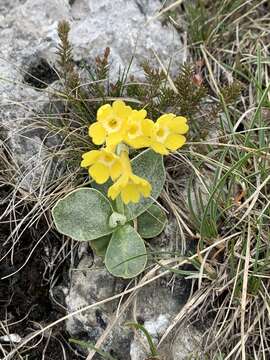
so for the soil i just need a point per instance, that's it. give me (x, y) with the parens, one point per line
(25, 302)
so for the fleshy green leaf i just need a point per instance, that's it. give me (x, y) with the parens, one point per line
(100, 245)
(148, 165)
(126, 254)
(152, 222)
(83, 215)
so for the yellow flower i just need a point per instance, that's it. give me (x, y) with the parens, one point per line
(102, 164)
(129, 186)
(111, 123)
(138, 129)
(168, 133)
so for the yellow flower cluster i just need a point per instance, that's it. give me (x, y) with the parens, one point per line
(120, 124)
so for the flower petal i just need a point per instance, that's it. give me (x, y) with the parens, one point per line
(116, 170)
(146, 189)
(130, 194)
(110, 148)
(141, 184)
(114, 138)
(139, 142)
(113, 191)
(179, 125)
(118, 105)
(89, 158)
(137, 115)
(99, 172)
(136, 179)
(125, 196)
(97, 133)
(104, 113)
(147, 127)
(159, 148)
(121, 110)
(175, 141)
(164, 119)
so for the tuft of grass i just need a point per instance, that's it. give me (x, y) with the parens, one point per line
(65, 127)
(213, 23)
(224, 213)
(228, 191)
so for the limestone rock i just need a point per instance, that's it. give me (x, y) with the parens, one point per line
(28, 31)
(187, 344)
(90, 283)
(155, 306)
(126, 27)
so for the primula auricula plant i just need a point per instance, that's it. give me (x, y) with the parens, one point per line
(124, 191)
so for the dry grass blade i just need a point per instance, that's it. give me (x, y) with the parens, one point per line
(244, 292)
(149, 278)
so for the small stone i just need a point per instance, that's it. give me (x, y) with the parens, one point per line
(11, 338)
(188, 344)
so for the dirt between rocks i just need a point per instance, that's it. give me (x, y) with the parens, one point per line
(25, 301)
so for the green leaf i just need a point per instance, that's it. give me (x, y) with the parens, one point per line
(126, 254)
(148, 165)
(152, 222)
(153, 348)
(99, 246)
(83, 215)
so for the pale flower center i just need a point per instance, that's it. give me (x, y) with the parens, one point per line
(162, 134)
(134, 131)
(112, 125)
(107, 160)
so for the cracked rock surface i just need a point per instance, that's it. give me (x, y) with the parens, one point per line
(28, 31)
(155, 306)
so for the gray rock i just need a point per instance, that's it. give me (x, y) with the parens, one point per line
(155, 306)
(188, 344)
(124, 26)
(28, 31)
(90, 282)
(28, 38)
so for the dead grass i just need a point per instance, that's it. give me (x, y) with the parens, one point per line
(228, 195)
(224, 204)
